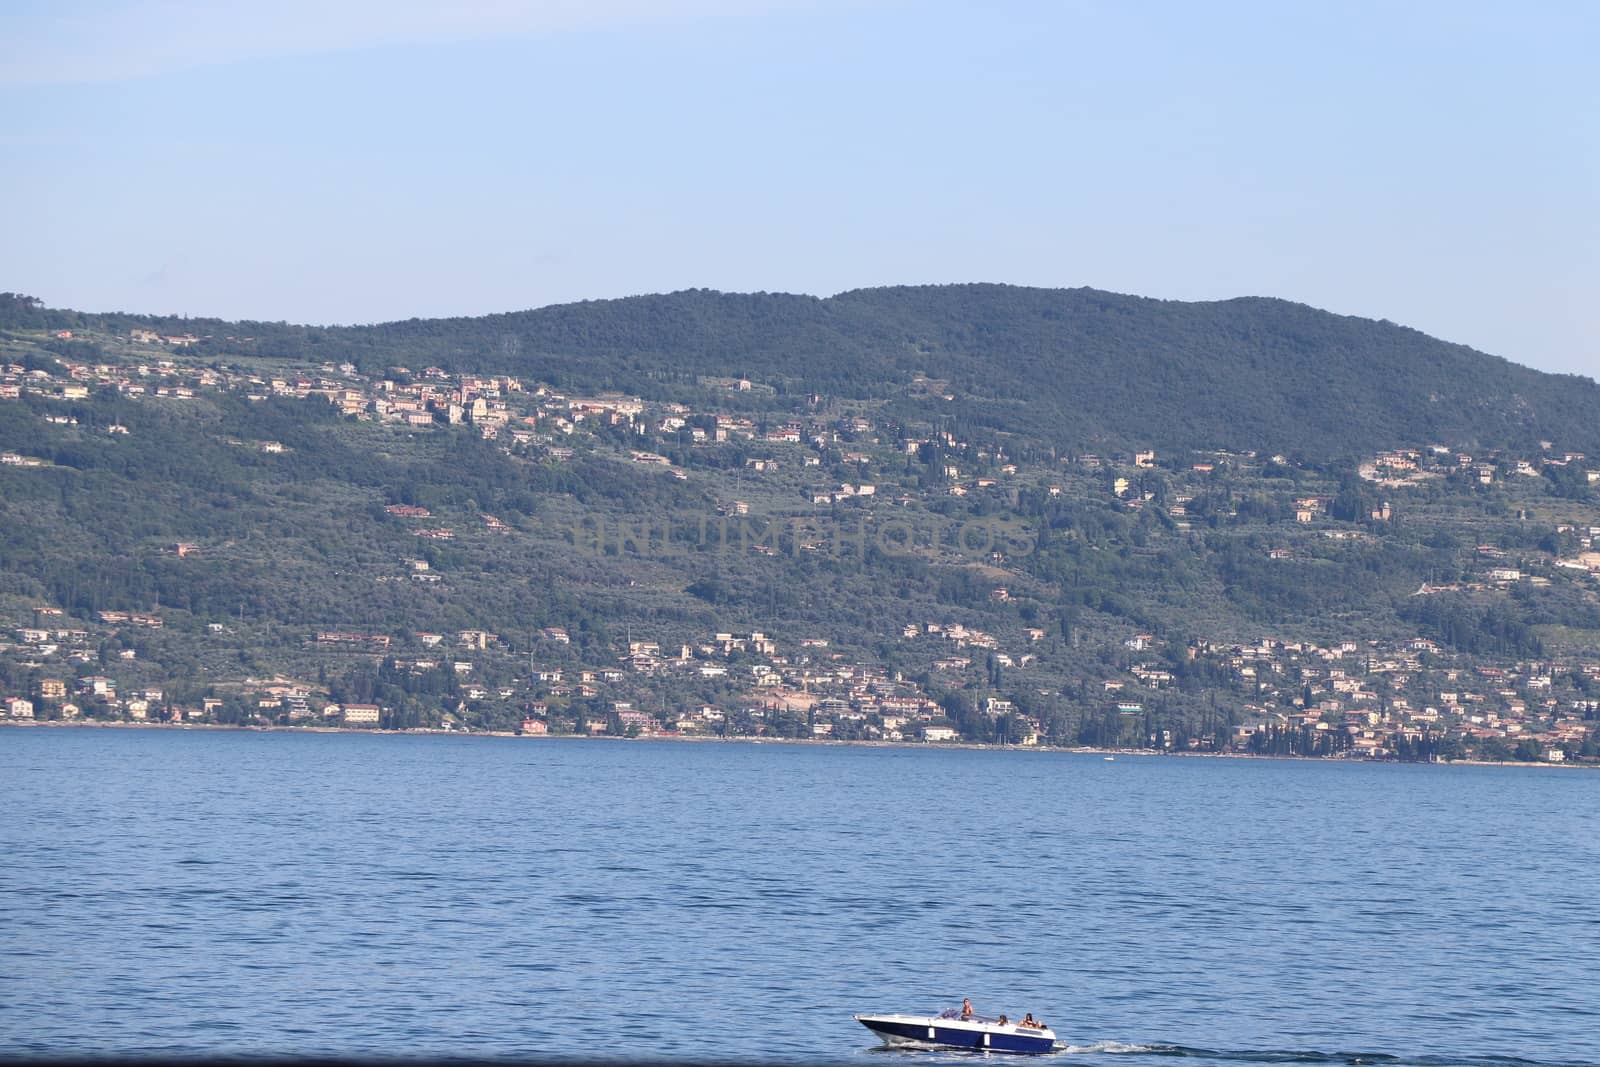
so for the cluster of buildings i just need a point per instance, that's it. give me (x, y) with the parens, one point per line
(497, 406)
(1401, 468)
(820, 693)
(1374, 696)
(1366, 698)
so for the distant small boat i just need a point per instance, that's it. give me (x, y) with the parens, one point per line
(951, 1029)
(1110, 759)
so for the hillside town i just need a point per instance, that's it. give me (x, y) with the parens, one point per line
(1353, 700)
(1407, 697)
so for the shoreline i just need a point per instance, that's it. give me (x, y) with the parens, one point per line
(1083, 750)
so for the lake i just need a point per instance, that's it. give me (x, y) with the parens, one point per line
(200, 892)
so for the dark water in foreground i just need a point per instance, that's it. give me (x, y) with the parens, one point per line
(202, 892)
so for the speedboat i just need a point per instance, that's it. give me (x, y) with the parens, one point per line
(951, 1029)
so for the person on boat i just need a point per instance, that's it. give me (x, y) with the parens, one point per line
(1027, 1020)
(1003, 1019)
(966, 1008)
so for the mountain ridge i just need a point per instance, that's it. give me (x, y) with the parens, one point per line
(1083, 367)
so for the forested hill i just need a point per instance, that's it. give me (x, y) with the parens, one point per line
(1081, 368)
(875, 515)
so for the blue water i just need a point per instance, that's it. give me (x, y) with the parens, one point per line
(207, 891)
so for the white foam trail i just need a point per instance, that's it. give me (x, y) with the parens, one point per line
(1105, 1046)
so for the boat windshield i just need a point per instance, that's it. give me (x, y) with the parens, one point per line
(955, 1013)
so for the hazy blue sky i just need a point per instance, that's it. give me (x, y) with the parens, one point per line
(1437, 164)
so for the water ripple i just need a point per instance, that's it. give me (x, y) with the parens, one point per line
(209, 893)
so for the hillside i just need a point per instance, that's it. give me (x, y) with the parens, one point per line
(1080, 369)
(1002, 514)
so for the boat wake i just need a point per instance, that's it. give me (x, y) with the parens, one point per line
(1354, 1059)
(1107, 1046)
(1247, 1056)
